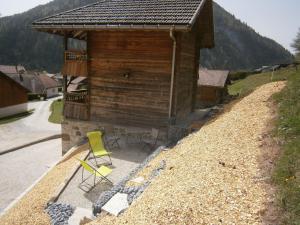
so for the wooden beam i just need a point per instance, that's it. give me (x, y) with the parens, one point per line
(78, 33)
(83, 36)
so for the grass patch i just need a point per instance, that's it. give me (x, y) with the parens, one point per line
(56, 112)
(287, 171)
(15, 117)
(246, 86)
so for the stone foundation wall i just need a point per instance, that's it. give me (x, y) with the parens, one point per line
(74, 132)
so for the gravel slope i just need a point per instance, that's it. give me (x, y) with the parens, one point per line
(214, 176)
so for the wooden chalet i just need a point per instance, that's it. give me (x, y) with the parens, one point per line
(141, 61)
(13, 96)
(212, 87)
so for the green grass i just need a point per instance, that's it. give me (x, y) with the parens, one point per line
(56, 112)
(15, 117)
(250, 83)
(287, 172)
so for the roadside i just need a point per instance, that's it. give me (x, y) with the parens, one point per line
(30, 129)
(56, 111)
(10, 119)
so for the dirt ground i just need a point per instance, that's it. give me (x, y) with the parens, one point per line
(219, 175)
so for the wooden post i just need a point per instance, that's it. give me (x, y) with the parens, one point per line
(65, 78)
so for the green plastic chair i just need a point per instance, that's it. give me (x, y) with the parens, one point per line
(101, 172)
(97, 146)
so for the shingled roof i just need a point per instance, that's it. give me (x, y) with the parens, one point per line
(213, 78)
(145, 14)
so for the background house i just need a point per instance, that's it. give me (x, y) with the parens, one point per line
(212, 87)
(48, 86)
(36, 82)
(141, 63)
(13, 96)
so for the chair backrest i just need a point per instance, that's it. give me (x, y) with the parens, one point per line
(95, 139)
(154, 133)
(86, 166)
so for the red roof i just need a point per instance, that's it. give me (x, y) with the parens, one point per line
(48, 82)
(11, 69)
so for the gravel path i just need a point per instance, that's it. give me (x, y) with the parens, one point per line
(214, 176)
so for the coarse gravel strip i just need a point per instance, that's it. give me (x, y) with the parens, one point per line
(31, 208)
(213, 176)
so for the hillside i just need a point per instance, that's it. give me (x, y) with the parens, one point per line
(237, 45)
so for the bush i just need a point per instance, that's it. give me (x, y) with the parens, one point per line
(238, 75)
(33, 96)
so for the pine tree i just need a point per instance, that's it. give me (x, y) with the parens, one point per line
(296, 45)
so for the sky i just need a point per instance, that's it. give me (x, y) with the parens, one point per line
(276, 19)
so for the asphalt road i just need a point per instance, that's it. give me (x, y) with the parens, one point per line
(28, 129)
(20, 169)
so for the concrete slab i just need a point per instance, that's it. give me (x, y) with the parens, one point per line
(138, 180)
(81, 216)
(124, 161)
(116, 204)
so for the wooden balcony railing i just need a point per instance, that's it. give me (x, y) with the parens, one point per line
(79, 97)
(75, 63)
(77, 106)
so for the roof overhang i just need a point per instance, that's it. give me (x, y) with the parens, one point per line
(68, 29)
(83, 28)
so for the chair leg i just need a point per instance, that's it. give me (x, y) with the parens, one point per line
(95, 160)
(110, 159)
(82, 175)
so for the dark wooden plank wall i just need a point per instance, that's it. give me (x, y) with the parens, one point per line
(205, 26)
(11, 93)
(188, 61)
(187, 58)
(141, 99)
(208, 94)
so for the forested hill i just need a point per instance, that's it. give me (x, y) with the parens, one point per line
(237, 45)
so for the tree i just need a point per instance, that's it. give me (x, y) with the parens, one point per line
(296, 45)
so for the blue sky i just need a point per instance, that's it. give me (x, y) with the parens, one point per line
(276, 19)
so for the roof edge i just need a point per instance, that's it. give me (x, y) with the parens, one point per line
(17, 83)
(199, 9)
(67, 11)
(87, 27)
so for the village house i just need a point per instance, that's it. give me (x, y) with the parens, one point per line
(13, 97)
(48, 86)
(212, 87)
(141, 64)
(38, 83)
